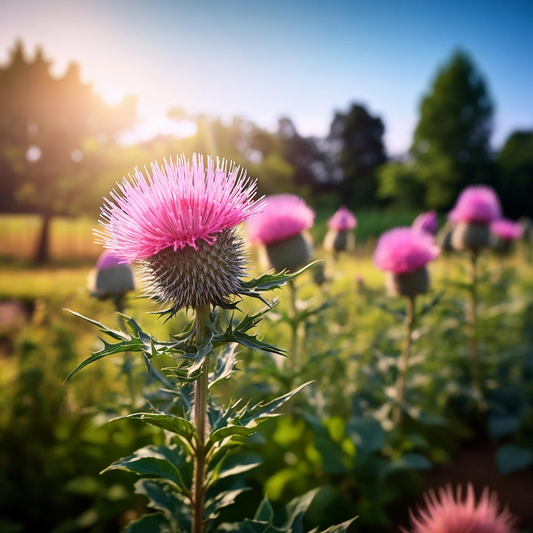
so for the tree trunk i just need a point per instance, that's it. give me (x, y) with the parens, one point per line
(42, 251)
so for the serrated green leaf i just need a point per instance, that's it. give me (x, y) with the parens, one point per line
(221, 500)
(170, 503)
(168, 422)
(296, 509)
(229, 431)
(154, 462)
(265, 512)
(150, 523)
(339, 528)
(262, 411)
(225, 364)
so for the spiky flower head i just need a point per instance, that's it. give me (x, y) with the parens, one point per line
(506, 230)
(450, 513)
(280, 228)
(284, 216)
(426, 222)
(111, 278)
(477, 204)
(403, 250)
(180, 222)
(342, 220)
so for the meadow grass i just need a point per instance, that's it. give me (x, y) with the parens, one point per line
(72, 239)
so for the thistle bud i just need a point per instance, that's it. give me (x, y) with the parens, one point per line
(280, 229)
(111, 278)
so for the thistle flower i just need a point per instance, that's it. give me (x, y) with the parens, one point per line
(449, 513)
(180, 222)
(339, 236)
(280, 229)
(426, 222)
(403, 253)
(111, 278)
(506, 230)
(477, 204)
(342, 220)
(475, 209)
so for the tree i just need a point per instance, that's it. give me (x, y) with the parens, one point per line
(515, 174)
(44, 124)
(451, 141)
(357, 138)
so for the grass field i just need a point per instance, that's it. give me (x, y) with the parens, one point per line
(72, 240)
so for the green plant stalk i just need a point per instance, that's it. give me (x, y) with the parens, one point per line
(472, 326)
(296, 324)
(200, 418)
(119, 306)
(403, 363)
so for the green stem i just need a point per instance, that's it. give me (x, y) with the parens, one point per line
(295, 327)
(472, 326)
(200, 422)
(128, 364)
(403, 364)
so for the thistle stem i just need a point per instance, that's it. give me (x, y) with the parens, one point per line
(472, 325)
(128, 365)
(403, 363)
(295, 325)
(200, 416)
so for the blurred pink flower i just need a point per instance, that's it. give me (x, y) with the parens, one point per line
(403, 250)
(506, 229)
(451, 514)
(342, 220)
(177, 206)
(284, 216)
(108, 260)
(426, 222)
(478, 204)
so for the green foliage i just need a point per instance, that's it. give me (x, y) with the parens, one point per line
(515, 173)
(360, 137)
(451, 142)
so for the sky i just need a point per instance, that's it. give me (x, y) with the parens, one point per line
(263, 59)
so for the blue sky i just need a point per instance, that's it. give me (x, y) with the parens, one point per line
(262, 59)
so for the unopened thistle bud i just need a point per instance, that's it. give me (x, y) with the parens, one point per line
(475, 209)
(280, 228)
(427, 222)
(180, 223)
(404, 253)
(111, 278)
(340, 237)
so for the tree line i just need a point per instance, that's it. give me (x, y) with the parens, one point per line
(60, 148)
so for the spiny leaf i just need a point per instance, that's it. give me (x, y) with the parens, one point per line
(159, 462)
(174, 424)
(262, 411)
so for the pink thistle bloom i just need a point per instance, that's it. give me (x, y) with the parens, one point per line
(426, 222)
(178, 205)
(506, 230)
(284, 216)
(403, 250)
(478, 204)
(342, 220)
(449, 513)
